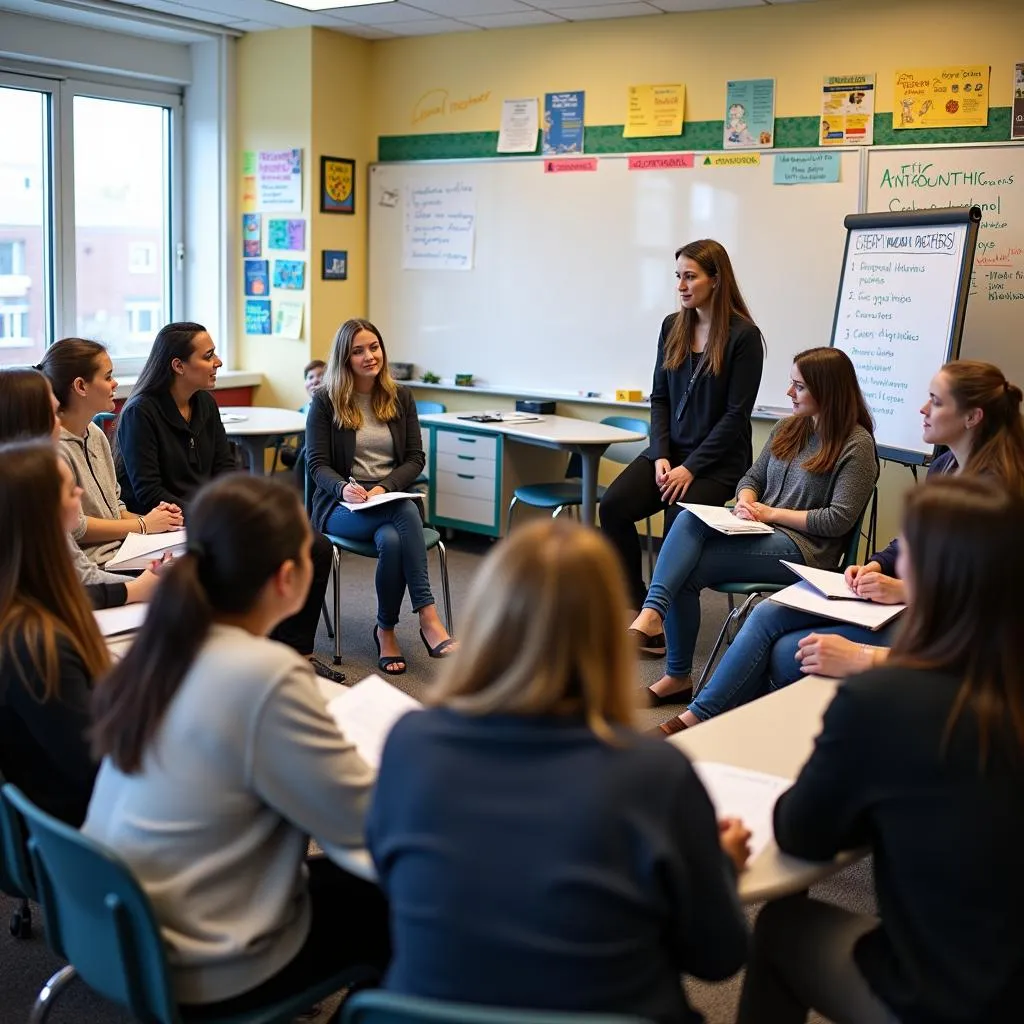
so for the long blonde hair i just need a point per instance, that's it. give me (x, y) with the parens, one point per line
(339, 382)
(544, 634)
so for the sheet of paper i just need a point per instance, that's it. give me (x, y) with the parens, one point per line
(745, 794)
(803, 597)
(520, 123)
(722, 519)
(366, 712)
(831, 584)
(126, 619)
(139, 549)
(232, 417)
(380, 499)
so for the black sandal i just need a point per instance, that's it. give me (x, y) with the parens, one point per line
(442, 650)
(648, 646)
(388, 662)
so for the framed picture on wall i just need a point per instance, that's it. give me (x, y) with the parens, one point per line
(337, 185)
(335, 265)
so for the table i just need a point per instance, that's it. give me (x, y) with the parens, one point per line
(774, 734)
(586, 438)
(258, 427)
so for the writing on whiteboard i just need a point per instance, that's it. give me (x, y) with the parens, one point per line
(440, 225)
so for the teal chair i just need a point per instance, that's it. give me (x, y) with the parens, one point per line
(376, 1006)
(752, 591)
(98, 918)
(367, 549)
(568, 493)
(15, 871)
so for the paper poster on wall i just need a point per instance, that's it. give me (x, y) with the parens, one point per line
(519, 126)
(249, 193)
(806, 168)
(257, 277)
(653, 111)
(563, 123)
(439, 226)
(251, 234)
(950, 97)
(290, 274)
(848, 110)
(1017, 118)
(286, 234)
(279, 180)
(288, 319)
(257, 316)
(249, 162)
(749, 114)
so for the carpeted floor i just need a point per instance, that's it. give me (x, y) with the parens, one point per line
(25, 965)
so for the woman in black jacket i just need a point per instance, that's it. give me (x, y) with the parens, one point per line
(706, 376)
(363, 440)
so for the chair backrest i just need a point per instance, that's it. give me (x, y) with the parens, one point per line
(429, 408)
(628, 450)
(375, 1006)
(97, 915)
(853, 541)
(15, 871)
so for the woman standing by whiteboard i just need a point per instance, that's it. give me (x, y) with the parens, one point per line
(706, 376)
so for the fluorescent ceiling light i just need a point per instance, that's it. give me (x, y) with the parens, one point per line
(330, 5)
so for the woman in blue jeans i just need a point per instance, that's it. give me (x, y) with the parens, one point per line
(362, 440)
(811, 481)
(975, 412)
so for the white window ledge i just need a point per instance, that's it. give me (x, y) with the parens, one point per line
(225, 379)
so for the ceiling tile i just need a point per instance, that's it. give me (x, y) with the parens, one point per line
(606, 11)
(382, 14)
(429, 26)
(513, 20)
(362, 31)
(674, 6)
(472, 8)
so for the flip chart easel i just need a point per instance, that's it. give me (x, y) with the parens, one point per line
(900, 313)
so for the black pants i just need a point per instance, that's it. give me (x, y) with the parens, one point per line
(299, 632)
(632, 496)
(349, 927)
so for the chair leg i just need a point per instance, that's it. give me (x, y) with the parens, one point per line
(446, 593)
(508, 519)
(734, 619)
(337, 605)
(650, 551)
(327, 621)
(49, 992)
(557, 512)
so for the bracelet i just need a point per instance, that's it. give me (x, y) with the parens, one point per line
(142, 525)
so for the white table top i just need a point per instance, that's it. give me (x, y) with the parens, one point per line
(774, 734)
(559, 430)
(261, 420)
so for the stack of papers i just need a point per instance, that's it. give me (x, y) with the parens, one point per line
(832, 585)
(722, 519)
(116, 621)
(140, 549)
(805, 598)
(380, 499)
(501, 417)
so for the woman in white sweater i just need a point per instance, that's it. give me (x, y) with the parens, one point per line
(220, 760)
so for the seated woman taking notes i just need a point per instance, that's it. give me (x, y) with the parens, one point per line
(50, 646)
(811, 482)
(170, 441)
(220, 760)
(706, 375)
(535, 851)
(922, 762)
(972, 410)
(362, 440)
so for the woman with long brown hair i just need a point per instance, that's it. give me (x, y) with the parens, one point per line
(706, 375)
(535, 851)
(811, 483)
(51, 650)
(921, 761)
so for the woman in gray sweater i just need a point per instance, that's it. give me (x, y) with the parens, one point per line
(811, 482)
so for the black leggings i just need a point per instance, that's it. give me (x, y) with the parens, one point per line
(632, 496)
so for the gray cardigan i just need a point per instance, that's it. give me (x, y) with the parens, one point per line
(92, 463)
(833, 501)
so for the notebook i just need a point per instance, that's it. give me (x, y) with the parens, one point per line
(831, 585)
(804, 598)
(140, 549)
(722, 520)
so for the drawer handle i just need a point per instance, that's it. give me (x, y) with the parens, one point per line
(465, 476)
(466, 458)
(467, 440)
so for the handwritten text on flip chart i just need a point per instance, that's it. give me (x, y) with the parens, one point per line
(440, 226)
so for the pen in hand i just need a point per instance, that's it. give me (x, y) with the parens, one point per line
(357, 489)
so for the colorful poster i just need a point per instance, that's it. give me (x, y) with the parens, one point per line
(257, 316)
(563, 123)
(950, 97)
(257, 277)
(286, 234)
(249, 193)
(806, 168)
(848, 110)
(279, 181)
(1017, 119)
(251, 234)
(653, 111)
(440, 226)
(749, 114)
(248, 162)
(290, 274)
(519, 126)
(288, 319)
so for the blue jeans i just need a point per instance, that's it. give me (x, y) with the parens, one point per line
(763, 655)
(397, 530)
(693, 556)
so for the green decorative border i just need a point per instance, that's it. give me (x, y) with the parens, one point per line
(790, 133)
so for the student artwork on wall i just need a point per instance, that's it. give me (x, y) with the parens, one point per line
(286, 234)
(257, 279)
(337, 185)
(288, 319)
(335, 265)
(563, 123)
(257, 316)
(251, 234)
(279, 180)
(290, 274)
(749, 114)
(949, 97)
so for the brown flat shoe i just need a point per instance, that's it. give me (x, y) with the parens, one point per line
(669, 728)
(648, 646)
(657, 700)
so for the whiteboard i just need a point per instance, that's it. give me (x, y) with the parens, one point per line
(989, 176)
(900, 312)
(573, 273)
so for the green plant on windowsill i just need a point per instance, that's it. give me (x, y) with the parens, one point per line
(430, 378)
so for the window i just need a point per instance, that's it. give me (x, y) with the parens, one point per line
(12, 257)
(144, 319)
(14, 328)
(142, 258)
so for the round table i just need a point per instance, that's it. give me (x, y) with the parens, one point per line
(258, 427)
